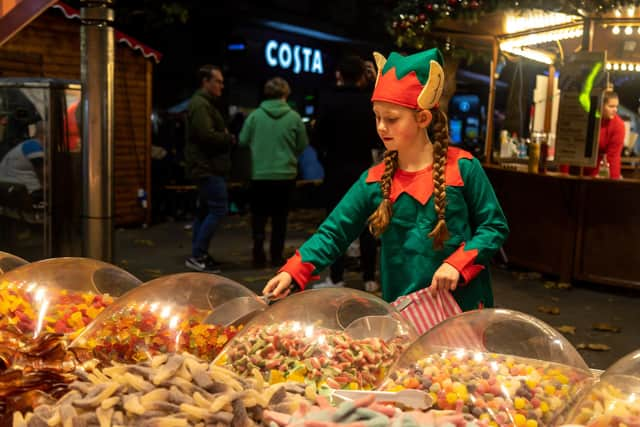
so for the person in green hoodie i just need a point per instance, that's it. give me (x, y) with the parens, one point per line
(276, 136)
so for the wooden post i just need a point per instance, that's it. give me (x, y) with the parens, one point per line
(549, 101)
(491, 104)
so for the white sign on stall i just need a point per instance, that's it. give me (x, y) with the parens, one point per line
(582, 84)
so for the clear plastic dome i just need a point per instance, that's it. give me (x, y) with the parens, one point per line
(180, 312)
(60, 295)
(615, 399)
(498, 365)
(8, 262)
(339, 337)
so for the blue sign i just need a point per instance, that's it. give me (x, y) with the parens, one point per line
(297, 58)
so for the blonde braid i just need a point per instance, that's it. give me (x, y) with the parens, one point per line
(440, 128)
(379, 220)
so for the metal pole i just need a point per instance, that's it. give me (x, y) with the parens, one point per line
(97, 71)
(491, 104)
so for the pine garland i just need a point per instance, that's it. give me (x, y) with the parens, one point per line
(412, 20)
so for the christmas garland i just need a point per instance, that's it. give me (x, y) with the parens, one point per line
(412, 20)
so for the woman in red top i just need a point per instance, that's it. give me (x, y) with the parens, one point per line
(612, 133)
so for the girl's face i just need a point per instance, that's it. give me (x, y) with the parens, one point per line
(400, 127)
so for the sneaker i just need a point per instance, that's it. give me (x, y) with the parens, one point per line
(328, 283)
(202, 264)
(371, 286)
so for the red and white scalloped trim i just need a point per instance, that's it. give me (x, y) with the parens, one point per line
(71, 13)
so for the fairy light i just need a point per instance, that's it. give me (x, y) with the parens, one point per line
(615, 30)
(534, 55)
(623, 66)
(628, 31)
(541, 38)
(535, 19)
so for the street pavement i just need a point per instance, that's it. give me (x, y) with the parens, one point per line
(597, 317)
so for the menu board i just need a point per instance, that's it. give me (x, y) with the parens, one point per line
(582, 82)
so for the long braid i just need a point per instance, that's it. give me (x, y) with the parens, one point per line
(440, 130)
(379, 220)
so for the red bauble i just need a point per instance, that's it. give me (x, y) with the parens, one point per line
(453, 2)
(428, 7)
(422, 17)
(474, 4)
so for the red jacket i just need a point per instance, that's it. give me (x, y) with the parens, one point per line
(612, 133)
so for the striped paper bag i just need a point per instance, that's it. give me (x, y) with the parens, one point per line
(424, 310)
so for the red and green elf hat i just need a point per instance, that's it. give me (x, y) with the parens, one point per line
(415, 81)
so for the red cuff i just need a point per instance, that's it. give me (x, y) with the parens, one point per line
(299, 270)
(463, 261)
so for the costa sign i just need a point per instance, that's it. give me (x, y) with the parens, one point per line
(296, 58)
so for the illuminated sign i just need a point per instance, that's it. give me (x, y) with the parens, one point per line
(297, 58)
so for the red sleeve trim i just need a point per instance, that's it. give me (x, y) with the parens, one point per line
(463, 261)
(300, 271)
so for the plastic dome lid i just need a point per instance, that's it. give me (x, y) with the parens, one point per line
(499, 365)
(60, 295)
(8, 262)
(170, 314)
(339, 337)
(615, 399)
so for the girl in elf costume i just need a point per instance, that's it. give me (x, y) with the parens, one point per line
(431, 205)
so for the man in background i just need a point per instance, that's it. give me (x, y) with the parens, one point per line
(208, 163)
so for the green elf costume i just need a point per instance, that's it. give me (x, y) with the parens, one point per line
(476, 224)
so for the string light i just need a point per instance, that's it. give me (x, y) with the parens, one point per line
(542, 37)
(516, 23)
(628, 31)
(623, 66)
(532, 54)
(615, 30)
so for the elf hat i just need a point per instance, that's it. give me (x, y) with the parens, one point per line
(415, 81)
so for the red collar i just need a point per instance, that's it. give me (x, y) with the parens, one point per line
(419, 185)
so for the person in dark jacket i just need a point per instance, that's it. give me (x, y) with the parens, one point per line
(345, 135)
(208, 162)
(277, 136)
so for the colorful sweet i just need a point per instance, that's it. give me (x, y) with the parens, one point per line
(502, 390)
(607, 406)
(292, 352)
(174, 391)
(366, 412)
(33, 371)
(137, 332)
(33, 310)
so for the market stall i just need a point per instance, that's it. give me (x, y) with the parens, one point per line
(571, 227)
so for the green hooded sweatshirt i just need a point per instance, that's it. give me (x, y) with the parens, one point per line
(276, 135)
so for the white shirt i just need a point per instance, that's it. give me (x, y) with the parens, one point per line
(16, 165)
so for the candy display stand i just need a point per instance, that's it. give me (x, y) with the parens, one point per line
(614, 400)
(502, 366)
(326, 338)
(59, 295)
(166, 315)
(8, 262)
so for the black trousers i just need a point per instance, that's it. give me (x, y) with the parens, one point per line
(270, 199)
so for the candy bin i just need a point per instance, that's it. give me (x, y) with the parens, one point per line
(614, 401)
(59, 295)
(9, 262)
(503, 367)
(326, 338)
(175, 313)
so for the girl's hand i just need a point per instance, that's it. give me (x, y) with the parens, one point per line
(446, 277)
(279, 286)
